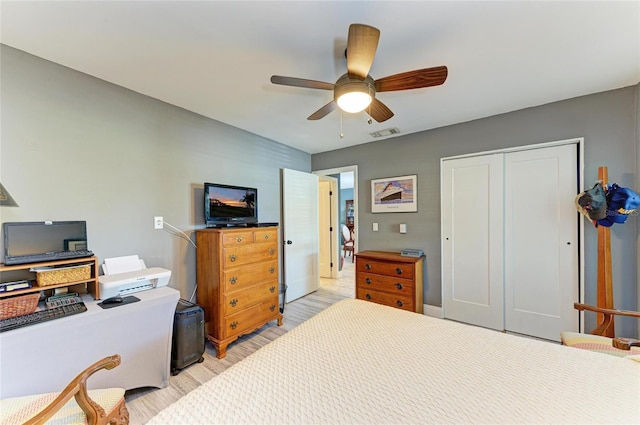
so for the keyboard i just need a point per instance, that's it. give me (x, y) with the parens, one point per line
(50, 256)
(42, 316)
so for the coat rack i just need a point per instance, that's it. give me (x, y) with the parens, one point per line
(605, 282)
(605, 311)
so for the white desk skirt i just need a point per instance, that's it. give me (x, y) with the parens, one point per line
(46, 357)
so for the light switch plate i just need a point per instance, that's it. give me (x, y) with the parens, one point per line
(403, 228)
(375, 227)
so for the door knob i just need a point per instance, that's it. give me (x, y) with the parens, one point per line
(289, 242)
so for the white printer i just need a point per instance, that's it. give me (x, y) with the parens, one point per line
(127, 275)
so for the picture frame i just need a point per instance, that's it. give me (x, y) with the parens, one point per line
(394, 194)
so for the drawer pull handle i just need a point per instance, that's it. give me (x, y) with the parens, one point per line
(272, 307)
(272, 289)
(266, 237)
(233, 302)
(367, 266)
(239, 239)
(272, 251)
(368, 296)
(399, 270)
(368, 280)
(399, 285)
(272, 270)
(399, 303)
(233, 258)
(233, 325)
(233, 280)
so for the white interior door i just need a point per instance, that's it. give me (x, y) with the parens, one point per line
(300, 233)
(472, 245)
(541, 241)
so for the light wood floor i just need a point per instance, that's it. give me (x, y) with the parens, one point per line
(144, 403)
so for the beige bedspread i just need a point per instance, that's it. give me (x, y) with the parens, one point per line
(359, 362)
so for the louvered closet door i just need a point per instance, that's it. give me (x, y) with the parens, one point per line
(541, 241)
(472, 246)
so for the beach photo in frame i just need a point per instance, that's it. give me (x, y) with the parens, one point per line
(394, 194)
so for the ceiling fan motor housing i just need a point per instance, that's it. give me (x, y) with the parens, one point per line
(346, 84)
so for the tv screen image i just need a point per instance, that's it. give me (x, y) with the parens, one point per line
(226, 204)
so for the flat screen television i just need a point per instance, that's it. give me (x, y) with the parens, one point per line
(226, 205)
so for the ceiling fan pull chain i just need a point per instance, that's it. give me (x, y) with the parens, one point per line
(341, 133)
(369, 107)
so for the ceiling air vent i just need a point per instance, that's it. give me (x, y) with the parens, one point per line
(385, 132)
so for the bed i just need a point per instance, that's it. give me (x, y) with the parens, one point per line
(358, 362)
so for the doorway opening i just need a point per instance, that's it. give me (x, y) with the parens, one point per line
(344, 224)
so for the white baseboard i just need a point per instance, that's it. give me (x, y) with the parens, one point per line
(433, 311)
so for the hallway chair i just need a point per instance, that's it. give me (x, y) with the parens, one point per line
(348, 242)
(94, 407)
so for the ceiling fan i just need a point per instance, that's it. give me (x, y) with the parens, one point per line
(356, 90)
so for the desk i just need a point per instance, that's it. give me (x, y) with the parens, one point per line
(46, 357)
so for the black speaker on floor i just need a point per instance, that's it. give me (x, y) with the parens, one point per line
(188, 342)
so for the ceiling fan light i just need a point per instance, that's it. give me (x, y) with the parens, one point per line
(354, 101)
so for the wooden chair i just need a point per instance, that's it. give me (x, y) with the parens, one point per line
(348, 242)
(95, 407)
(607, 321)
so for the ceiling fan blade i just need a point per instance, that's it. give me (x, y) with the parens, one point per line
(325, 110)
(379, 111)
(361, 49)
(301, 82)
(413, 79)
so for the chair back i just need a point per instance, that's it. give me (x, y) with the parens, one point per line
(346, 234)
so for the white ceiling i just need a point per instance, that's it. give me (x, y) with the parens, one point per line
(215, 58)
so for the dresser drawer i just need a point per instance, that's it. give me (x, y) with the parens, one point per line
(250, 318)
(237, 238)
(375, 282)
(241, 255)
(265, 235)
(233, 302)
(385, 298)
(385, 268)
(239, 278)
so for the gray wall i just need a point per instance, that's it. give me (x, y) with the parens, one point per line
(607, 121)
(74, 147)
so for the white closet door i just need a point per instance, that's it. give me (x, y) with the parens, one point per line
(472, 223)
(541, 241)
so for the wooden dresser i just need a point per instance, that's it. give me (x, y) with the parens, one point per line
(390, 279)
(237, 277)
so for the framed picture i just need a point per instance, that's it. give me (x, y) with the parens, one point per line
(394, 194)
